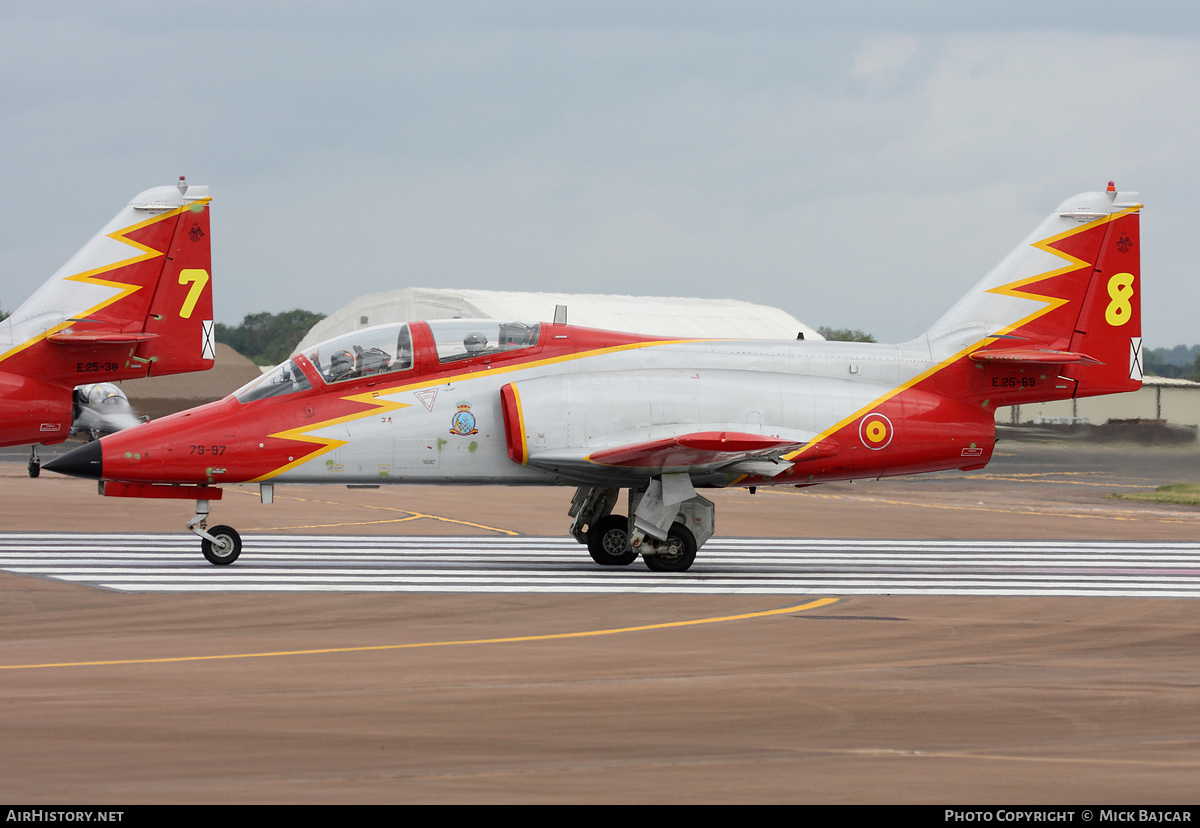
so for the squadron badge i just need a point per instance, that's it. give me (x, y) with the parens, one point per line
(463, 421)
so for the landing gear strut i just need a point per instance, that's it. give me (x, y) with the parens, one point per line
(222, 544)
(606, 534)
(669, 523)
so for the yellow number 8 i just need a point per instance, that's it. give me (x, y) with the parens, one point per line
(1120, 290)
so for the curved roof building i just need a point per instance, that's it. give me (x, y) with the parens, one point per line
(670, 316)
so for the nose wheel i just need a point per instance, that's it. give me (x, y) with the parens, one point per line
(224, 547)
(221, 545)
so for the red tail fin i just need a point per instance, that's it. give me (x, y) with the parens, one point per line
(1109, 328)
(181, 311)
(1060, 316)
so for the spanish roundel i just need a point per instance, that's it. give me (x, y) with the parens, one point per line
(875, 431)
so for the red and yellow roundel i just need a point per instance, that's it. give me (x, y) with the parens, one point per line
(875, 431)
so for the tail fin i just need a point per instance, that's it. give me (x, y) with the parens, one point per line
(181, 313)
(1064, 306)
(135, 300)
(1109, 327)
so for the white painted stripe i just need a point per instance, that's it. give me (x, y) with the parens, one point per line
(455, 564)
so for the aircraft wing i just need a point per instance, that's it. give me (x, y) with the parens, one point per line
(698, 450)
(694, 452)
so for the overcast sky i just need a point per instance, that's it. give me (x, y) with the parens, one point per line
(857, 167)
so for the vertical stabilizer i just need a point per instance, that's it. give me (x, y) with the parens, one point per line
(181, 312)
(1109, 327)
(1061, 314)
(135, 300)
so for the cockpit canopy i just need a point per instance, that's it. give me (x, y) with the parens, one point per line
(282, 379)
(380, 350)
(387, 349)
(457, 339)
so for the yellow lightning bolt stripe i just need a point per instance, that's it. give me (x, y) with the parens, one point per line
(92, 276)
(1010, 289)
(328, 444)
(1072, 263)
(382, 407)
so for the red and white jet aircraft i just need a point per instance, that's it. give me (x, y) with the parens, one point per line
(135, 301)
(485, 402)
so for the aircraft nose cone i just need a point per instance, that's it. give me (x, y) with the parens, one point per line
(85, 461)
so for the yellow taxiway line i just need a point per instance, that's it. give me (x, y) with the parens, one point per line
(821, 602)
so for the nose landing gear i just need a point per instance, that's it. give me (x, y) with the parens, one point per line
(221, 545)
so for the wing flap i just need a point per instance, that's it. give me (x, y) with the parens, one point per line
(704, 449)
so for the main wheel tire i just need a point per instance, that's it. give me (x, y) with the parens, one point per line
(683, 556)
(608, 541)
(35, 468)
(227, 548)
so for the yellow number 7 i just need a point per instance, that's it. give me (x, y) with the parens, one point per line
(198, 279)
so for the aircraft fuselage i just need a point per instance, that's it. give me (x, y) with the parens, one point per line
(580, 394)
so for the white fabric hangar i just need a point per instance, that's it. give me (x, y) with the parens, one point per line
(669, 316)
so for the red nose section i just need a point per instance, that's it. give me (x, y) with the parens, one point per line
(196, 446)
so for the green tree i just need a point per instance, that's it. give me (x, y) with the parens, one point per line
(1155, 365)
(844, 334)
(268, 338)
(1182, 361)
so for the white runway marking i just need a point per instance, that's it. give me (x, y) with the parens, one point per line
(329, 563)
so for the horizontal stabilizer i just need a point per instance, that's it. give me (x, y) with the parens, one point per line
(1033, 355)
(98, 338)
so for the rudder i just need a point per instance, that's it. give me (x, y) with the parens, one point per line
(181, 312)
(1109, 327)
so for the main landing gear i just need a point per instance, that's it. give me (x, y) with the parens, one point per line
(677, 554)
(670, 522)
(608, 541)
(35, 463)
(221, 545)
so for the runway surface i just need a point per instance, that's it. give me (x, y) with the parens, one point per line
(727, 566)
